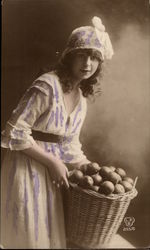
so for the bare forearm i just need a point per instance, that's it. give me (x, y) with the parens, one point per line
(57, 168)
(36, 152)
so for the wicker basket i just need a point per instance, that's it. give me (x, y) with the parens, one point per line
(93, 219)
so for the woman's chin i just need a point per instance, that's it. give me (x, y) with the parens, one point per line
(85, 75)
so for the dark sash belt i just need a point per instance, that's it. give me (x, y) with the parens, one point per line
(46, 137)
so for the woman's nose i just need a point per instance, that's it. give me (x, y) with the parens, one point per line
(88, 61)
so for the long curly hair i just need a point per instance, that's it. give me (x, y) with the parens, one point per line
(90, 86)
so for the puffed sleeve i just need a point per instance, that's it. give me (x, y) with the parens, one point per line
(36, 101)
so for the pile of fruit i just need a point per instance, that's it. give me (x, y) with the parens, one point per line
(104, 180)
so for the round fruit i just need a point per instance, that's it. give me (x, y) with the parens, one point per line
(95, 188)
(92, 168)
(114, 177)
(121, 172)
(107, 187)
(97, 179)
(112, 168)
(72, 177)
(83, 168)
(104, 171)
(126, 185)
(86, 181)
(128, 179)
(119, 189)
(96, 166)
(76, 176)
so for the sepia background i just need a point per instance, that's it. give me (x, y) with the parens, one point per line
(117, 127)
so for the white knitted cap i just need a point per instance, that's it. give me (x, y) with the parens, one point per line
(91, 37)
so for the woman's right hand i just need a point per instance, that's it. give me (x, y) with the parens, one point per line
(59, 173)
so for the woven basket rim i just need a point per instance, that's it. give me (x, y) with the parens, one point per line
(130, 194)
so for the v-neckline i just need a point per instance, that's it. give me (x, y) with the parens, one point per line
(75, 107)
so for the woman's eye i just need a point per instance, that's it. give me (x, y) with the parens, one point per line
(93, 58)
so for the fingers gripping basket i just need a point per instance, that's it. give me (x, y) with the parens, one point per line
(92, 219)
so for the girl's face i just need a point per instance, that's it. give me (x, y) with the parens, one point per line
(84, 65)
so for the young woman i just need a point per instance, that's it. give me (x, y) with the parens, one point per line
(42, 141)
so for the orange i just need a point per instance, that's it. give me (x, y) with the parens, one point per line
(119, 189)
(126, 185)
(114, 177)
(128, 179)
(121, 172)
(97, 179)
(107, 187)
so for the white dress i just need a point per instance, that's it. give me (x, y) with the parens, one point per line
(31, 206)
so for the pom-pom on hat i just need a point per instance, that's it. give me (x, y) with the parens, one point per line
(91, 37)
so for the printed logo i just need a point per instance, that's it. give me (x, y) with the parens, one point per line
(129, 221)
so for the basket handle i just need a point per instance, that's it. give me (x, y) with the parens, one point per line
(134, 184)
(134, 191)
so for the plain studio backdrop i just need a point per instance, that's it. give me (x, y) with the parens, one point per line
(117, 128)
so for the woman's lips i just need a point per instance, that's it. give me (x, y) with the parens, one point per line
(85, 70)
